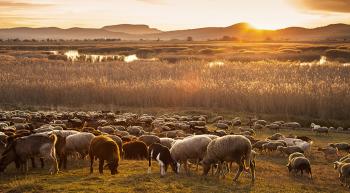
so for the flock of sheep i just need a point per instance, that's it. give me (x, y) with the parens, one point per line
(171, 140)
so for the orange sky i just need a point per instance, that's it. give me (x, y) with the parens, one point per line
(173, 14)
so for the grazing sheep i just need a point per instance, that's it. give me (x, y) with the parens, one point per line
(291, 125)
(149, 139)
(230, 148)
(276, 136)
(162, 154)
(320, 130)
(273, 126)
(341, 146)
(106, 129)
(135, 150)
(271, 146)
(344, 158)
(304, 138)
(258, 145)
(21, 149)
(190, 148)
(329, 152)
(119, 142)
(344, 172)
(79, 143)
(289, 150)
(294, 155)
(135, 130)
(167, 142)
(104, 148)
(300, 164)
(305, 146)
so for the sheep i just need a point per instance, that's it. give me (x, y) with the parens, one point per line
(258, 145)
(341, 146)
(149, 139)
(305, 146)
(300, 164)
(135, 150)
(344, 172)
(104, 148)
(162, 154)
(344, 158)
(117, 140)
(289, 150)
(271, 146)
(23, 148)
(276, 136)
(135, 130)
(294, 155)
(304, 138)
(329, 152)
(273, 127)
(79, 142)
(320, 130)
(190, 148)
(106, 129)
(167, 142)
(230, 148)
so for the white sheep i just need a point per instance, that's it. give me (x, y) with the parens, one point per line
(190, 148)
(79, 143)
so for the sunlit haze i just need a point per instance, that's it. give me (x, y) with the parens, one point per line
(170, 14)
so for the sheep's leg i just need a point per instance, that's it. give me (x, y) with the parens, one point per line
(54, 164)
(33, 162)
(178, 167)
(26, 167)
(42, 164)
(186, 168)
(252, 170)
(241, 167)
(91, 163)
(161, 165)
(100, 166)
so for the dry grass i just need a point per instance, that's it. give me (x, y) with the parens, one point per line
(272, 176)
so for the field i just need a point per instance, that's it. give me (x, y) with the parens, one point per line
(272, 176)
(268, 78)
(303, 82)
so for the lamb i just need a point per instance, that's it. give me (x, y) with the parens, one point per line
(341, 146)
(23, 148)
(190, 148)
(167, 142)
(344, 172)
(329, 152)
(162, 154)
(135, 150)
(149, 139)
(230, 148)
(300, 164)
(104, 148)
(289, 150)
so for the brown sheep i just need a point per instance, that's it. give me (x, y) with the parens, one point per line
(300, 164)
(135, 150)
(104, 148)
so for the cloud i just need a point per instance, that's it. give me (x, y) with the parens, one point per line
(20, 5)
(341, 6)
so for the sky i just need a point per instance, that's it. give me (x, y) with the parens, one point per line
(173, 14)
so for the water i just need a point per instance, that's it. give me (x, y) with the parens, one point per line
(74, 55)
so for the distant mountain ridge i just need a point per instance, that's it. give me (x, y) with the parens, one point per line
(240, 31)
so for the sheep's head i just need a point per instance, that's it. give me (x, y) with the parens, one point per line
(280, 148)
(8, 156)
(336, 165)
(174, 166)
(206, 163)
(113, 166)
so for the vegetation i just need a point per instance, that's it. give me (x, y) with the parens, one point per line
(272, 176)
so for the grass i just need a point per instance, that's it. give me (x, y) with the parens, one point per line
(272, 176)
